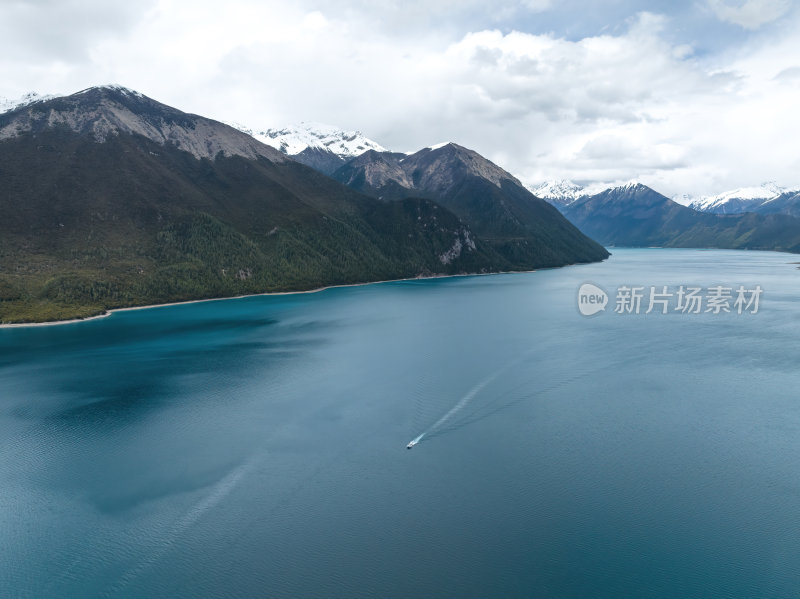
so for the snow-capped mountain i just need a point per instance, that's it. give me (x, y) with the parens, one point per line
(294, 139)
(635, 215)
(743, 199)
(320, 146)
(7, 105)
(564, 192)
(768, 198)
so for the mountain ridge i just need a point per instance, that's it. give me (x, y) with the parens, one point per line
(768, 198)
(112, 109)
(737, 200)
(112, 199)
(320, 146)
(484, 196)
(638, 216)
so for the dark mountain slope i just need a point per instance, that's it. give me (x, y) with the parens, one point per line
(786, 203)
(378, 174)
(100, 221)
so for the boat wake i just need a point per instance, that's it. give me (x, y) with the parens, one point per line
(460, 405)
(169, 540)
(521, 392)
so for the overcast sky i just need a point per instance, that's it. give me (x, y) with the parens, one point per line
(688, 96)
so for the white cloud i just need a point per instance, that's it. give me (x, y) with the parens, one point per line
(606, 107)
(36, 30)
(750, 14)
(789, 76)
(537, 5)
(421, 18)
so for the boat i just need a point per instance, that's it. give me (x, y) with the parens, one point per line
(414, 441)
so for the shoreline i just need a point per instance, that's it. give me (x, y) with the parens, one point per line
(272, 293)
(344, 285)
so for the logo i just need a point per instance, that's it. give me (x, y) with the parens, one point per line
(591, 299)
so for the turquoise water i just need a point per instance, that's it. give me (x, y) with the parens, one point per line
(256, 447)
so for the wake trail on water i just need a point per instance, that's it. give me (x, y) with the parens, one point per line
(448, 422)
(218, 492)
(417, 439)
(516, 395)
(462, 403)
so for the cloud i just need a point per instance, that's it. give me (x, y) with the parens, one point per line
(631, 101)
(63, 29)
(789, 75)
(421, 18)
(45, 43)
(750, 14)
(599, 79)
(617, 151)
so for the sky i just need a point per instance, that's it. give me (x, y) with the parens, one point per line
(687, 96)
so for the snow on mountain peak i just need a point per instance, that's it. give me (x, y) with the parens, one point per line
(115, 87)
(763, 191)
(555, 189)
(564, 191)
(7, 105)
(741, 196)
(294, 139)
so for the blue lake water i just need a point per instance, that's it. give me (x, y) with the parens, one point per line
(257, 447)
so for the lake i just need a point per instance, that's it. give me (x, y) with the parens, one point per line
(256, 447)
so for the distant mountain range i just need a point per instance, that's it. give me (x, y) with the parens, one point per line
(768, 198)
(736, 200)
(112, 199)
(635, 215)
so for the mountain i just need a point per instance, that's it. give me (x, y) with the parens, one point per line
(112, 199)
(635, 215)
(563, 192)
(109, 111)
(768, 198)
(558, 193)
(788, 202)
(736, 201)
(520, 227)
(322, 147)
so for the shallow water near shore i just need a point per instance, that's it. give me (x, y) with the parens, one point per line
(257, 446)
